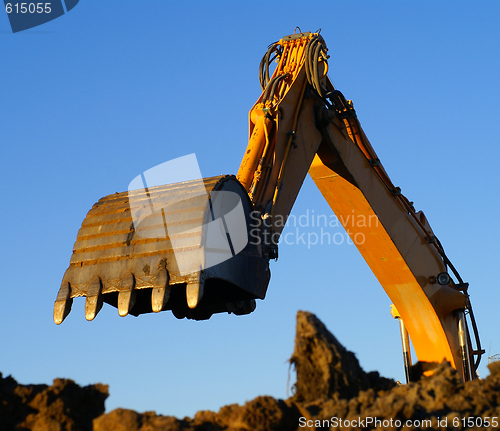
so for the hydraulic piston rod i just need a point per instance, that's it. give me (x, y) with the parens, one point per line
(405, 342)
(464, 346)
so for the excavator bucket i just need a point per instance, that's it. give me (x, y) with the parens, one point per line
(185, 247)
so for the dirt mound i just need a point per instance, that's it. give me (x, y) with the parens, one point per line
(332, 391)
(64, 406)
(260, 414)
(325, 369)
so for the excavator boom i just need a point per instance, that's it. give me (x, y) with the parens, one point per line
(191, 252)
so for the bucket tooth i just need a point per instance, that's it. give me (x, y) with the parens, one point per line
(93, 303)
(63, 303)
(161, 292)
(127, 295)
(194, 293)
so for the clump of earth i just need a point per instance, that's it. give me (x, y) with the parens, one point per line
(332, 392)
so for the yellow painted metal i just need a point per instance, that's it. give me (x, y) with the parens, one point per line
(256, 144)
(392, 244)
(274, 115)
(395, 241)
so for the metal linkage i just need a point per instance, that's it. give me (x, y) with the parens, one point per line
(405, 342)
(464, 347)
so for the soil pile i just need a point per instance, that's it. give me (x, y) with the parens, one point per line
(331, 392)
(325, 369)
(64, 406)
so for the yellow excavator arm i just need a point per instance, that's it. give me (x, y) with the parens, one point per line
(300, 124)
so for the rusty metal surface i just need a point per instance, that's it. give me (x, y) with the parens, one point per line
(116, 262)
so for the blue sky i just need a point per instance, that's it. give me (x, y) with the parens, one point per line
(113, 88)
